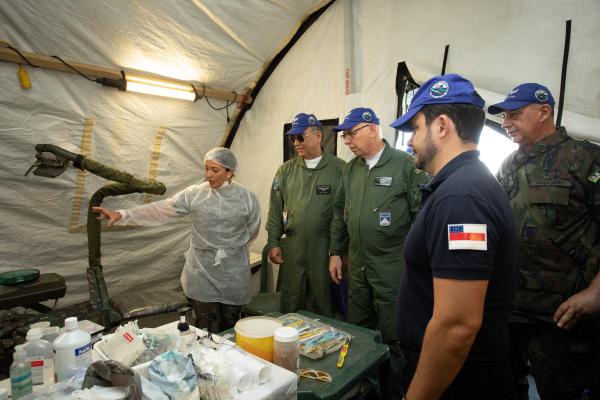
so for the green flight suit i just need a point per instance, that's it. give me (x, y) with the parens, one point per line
(301, 207)
(557, 216)
(374, 210)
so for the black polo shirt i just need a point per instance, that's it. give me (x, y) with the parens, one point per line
(463, 208)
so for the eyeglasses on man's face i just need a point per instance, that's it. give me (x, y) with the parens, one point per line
(349, 134)
(512, 114)
(300, 137)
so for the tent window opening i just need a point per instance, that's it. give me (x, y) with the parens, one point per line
(329, 142)
(494, 147)
(406, 87)
(402, 137)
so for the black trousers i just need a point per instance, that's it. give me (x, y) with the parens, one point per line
(473, 382)
(215, 317)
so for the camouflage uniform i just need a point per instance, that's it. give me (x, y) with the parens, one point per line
(557, 217)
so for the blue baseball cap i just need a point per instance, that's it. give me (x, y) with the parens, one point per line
(522, 95)
(356, 116)
(301, 122)
(442, 89)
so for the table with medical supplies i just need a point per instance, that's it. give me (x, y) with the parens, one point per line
(281, 385)
(365, 357)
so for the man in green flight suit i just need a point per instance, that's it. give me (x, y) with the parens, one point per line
(300, 211)
(553, 184)
(374, 210)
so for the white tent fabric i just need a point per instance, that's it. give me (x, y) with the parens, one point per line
(495, 44)
(226, 44)
(221, 44)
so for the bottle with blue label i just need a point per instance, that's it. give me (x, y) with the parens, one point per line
(20, 374)
(72, 351)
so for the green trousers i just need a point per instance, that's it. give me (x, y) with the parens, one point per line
(565, 364)
(304, 280)
(372, 303)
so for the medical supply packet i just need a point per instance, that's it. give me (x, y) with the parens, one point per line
(316, 338)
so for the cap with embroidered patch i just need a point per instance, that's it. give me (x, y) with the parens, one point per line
(301, 122)
(356, 116)
(522, 95)
(442, 89)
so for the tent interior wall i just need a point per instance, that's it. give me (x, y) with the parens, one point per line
(228, 45)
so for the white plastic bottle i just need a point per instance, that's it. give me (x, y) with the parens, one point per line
(72, 350)
(20, 374)
(287, 348)
(40, 356)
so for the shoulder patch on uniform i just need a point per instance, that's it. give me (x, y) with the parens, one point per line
(275, 184)
(595, 176)
(467, 237)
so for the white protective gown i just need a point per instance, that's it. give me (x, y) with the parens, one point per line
(224, 221)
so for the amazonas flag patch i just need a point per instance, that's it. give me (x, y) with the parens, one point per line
(467, 237)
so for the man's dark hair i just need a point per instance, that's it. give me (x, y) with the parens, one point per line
(467, 118)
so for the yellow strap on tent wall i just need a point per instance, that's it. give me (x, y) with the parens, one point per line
(154, 160)
(86, 143)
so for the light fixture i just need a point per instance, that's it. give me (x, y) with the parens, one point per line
(157, 87)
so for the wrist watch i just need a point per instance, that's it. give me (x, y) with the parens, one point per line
(334, 253)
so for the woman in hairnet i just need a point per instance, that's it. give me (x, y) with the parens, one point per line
(225, 218)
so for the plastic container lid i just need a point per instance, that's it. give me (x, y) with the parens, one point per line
(20, 276)
(71, 323)
(286, 334)
(257, 327)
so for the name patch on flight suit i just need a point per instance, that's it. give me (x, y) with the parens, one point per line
(385, 218)
(467, 237)
(595, 177)
(323, 189)
(382, 181)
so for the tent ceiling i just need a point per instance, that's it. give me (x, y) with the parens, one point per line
(224, 44)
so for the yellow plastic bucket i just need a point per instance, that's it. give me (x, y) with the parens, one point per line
(255, 335)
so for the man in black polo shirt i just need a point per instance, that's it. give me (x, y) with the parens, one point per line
(456, 294)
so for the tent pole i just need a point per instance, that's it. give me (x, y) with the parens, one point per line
(49, 62)
(563, 75)
(445, 59)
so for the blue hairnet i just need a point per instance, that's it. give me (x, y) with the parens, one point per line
(223, 156)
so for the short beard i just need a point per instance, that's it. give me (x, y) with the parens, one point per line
(426, 155)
